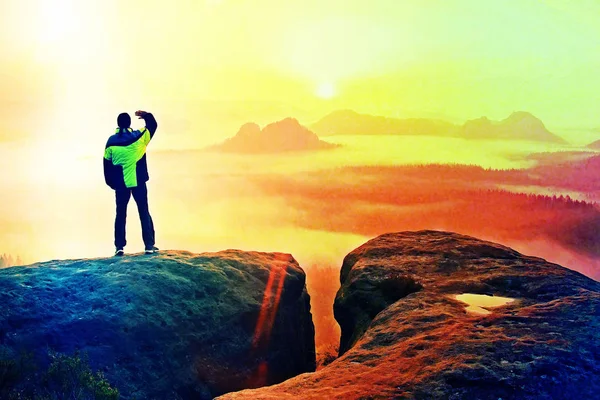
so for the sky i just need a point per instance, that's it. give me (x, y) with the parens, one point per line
(207, 66)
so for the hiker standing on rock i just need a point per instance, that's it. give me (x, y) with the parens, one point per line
(126, 172)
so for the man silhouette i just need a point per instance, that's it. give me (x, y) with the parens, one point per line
(126, 172)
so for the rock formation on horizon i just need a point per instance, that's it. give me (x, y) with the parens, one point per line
(518, 126)
(594, 145)
(283, 136)
(175, 325)
(406, 336)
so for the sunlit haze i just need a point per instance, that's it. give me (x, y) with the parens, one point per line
(205, 68)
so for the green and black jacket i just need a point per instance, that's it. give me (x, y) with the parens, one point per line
(125, 155)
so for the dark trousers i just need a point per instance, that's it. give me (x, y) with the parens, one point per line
(140, 195)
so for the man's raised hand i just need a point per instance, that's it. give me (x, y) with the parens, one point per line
(140, 114)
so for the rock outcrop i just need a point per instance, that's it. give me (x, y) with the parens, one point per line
(406, 336)
(282, 136)
(175, 325)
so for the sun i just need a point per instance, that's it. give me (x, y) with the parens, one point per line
(325, 90)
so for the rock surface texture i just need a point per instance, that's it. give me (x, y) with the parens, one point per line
(174, 325)
(405, 336)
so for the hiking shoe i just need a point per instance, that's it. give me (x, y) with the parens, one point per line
(152, 250)
(119, 253)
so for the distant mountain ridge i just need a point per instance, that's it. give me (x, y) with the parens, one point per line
(348, 122)
(519, 125)
(281, 136)
(594, 145)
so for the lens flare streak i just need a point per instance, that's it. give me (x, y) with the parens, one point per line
(269, 307)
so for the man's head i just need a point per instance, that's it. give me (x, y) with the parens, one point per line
(124, 120)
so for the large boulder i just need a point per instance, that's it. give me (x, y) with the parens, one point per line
(175, 325)
(405, 335)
